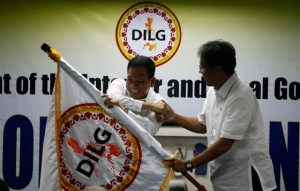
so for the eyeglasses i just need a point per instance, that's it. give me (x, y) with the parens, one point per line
(203, 66)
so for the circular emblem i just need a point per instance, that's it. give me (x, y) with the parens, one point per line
(94, 148)
(148, 29)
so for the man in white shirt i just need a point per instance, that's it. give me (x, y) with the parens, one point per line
(136, 95)
(232, 120)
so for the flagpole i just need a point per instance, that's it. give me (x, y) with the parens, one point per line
(194, 181)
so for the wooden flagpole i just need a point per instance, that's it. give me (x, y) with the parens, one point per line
(194, 181)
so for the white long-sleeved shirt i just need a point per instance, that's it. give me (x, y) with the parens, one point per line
(117, 89)
(233, 112)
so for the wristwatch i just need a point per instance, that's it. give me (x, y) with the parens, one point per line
(189, 165)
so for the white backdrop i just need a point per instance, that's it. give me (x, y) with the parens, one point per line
(266, 38)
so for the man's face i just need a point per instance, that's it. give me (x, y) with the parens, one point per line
(208, 72)
(138, 83)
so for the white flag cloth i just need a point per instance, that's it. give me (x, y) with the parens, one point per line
(87, 144)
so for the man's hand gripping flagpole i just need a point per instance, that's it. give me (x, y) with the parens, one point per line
(56, 57)
(194, 181)
(189, 177)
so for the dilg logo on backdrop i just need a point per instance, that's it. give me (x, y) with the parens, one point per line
(150, 29)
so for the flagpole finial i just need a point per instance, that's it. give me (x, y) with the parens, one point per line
(45, 47)
(55, 56)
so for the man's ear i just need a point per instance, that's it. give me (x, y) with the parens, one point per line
(152, 81)
(219, 69)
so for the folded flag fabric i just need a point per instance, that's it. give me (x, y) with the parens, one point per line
(87, 144)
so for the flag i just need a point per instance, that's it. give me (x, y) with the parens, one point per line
(87, 144)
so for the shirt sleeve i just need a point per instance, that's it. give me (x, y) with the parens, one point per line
(117, 90)
(148, 120)
(149, 123)
(201, 116)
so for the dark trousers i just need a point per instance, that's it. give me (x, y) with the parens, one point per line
(255, 181)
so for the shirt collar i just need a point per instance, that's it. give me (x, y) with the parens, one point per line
(223, 91)
(149, 95)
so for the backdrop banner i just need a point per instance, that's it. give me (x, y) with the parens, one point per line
(98, 38)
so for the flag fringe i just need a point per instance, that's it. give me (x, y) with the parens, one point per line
(165, 184)
(57, 120)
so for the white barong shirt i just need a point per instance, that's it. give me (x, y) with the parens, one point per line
(146, 118)
(233, 112)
